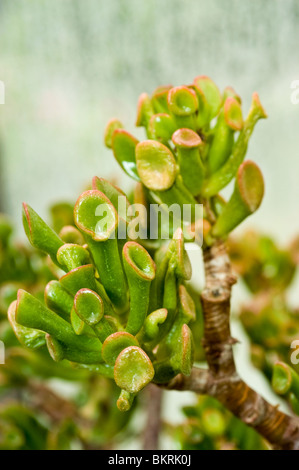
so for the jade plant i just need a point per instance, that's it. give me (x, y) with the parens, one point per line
(122, 305)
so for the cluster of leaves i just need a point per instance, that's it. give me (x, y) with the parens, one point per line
(117, 308)
(197, 141)
(32, 416)
(271, 323)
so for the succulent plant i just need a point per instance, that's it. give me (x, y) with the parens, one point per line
(115, 308)
(121, 305)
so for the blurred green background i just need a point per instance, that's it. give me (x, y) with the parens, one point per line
(69, 66)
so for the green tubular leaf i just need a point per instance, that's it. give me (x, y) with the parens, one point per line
(156, 165)
(183, 104)
(72, 256)
(197, 326)
(169, 298)
(141, 222)
(114, 322)
(62, 214)
(89, 306)
(187, 310)
(181, 197)
(161, 127)
(58, 299)
(177, 194)
(140, 271)
(179, 331)
(84, 277)
(79, 278)
(186, 350)
(90, 309)
(187, 143)
(221, 146)
(123, 146)
(144, 110)
(285, 379)
(39, 234)
(97, 218)
(229, 121)
(178, 268)
(112, 126)
(70, 234)
(179, 259)
(107, 260)
(115, 195)
(180, 357)
(125, 400)
(230, 92)
(233, 114)
(60, 351)
(282, 378)
(245, 200)
(33, 314)
(159, 99)
(119, 201)
(108, 308)
(218, 203)
(115, 344)
(226, 173)
(157, 288)
(203, 113)
(133, 369)
(28, 337)
(153, 322)
(79, 326)
(211, 93)
(175, 259)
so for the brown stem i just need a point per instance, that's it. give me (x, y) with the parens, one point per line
(221, 380)
(153, 423)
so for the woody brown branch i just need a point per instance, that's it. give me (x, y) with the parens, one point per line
(222, 381)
